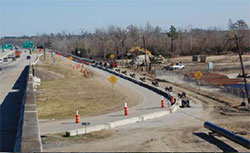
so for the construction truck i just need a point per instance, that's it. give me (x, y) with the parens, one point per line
(17, 54)
(140, 58)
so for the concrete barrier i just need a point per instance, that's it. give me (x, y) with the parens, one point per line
(97, 127)
(154, 115)
(36, 60)
(31, 140)
(124, 122)
(87, 129)
(173, 108)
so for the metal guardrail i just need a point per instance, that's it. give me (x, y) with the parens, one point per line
(228, 134)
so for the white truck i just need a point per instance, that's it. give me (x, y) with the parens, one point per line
(175, 66)
(178, 66)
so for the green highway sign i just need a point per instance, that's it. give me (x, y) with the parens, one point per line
(28, 44)
(7, 46)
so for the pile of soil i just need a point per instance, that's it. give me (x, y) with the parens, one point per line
(46, 75)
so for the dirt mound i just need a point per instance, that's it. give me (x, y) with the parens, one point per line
(47, 75)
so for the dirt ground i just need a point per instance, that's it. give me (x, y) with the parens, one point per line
(223, 64)
(63, 91)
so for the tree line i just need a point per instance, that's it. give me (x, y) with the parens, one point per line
(167, 42)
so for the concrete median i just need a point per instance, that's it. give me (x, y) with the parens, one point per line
(124, 122)
(154, 115)
(88, 129)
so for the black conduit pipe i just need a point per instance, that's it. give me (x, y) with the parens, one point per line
(228, 134)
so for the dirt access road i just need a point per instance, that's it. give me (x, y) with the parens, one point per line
(180, 131)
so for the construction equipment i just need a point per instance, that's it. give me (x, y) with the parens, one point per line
(143, 79)
(155, 83)
(132, 75)
(140, 59)
(117, 70)
(184, 101)
(169, 89)
(124, 72)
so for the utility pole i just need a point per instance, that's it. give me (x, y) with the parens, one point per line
(144, 46)
(44, 54)
(122, 44)
(242, 67)
(191, 42)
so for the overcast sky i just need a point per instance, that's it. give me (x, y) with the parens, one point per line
(31, 17)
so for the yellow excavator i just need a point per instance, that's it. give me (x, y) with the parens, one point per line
(141, 56)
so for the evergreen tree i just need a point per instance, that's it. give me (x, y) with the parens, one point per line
(174, 35)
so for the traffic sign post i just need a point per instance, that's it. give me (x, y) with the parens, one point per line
(85, 124)
(7, 46)
(71, 58)
(112, 56)
(28, 44)
(113, 80)
(198, 75)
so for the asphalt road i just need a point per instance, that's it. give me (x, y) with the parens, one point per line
(10, 73)
(13, 78)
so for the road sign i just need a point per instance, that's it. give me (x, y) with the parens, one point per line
(28, 44)
(112, 56)
(7, 46)
(70, 58)
(198, 74)
(85, 123)
(113, 79)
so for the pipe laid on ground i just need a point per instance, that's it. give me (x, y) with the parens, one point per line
(228, 134)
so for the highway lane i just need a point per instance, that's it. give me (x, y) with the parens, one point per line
(6, 53)
(10, 73)
(13, 79)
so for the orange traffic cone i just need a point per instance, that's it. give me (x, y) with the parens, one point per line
(81, 70)
(163, 104)
(85, 73)
(77, 117)
(126, 109)
(172, 100)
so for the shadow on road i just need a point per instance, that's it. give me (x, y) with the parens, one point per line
(220, 144)
(11, 115)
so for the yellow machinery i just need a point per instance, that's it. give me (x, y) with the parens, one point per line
(153, 59)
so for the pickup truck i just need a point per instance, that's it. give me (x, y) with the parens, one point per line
(175, 66)
(178, 66)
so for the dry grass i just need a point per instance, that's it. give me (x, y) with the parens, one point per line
(59, 98)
